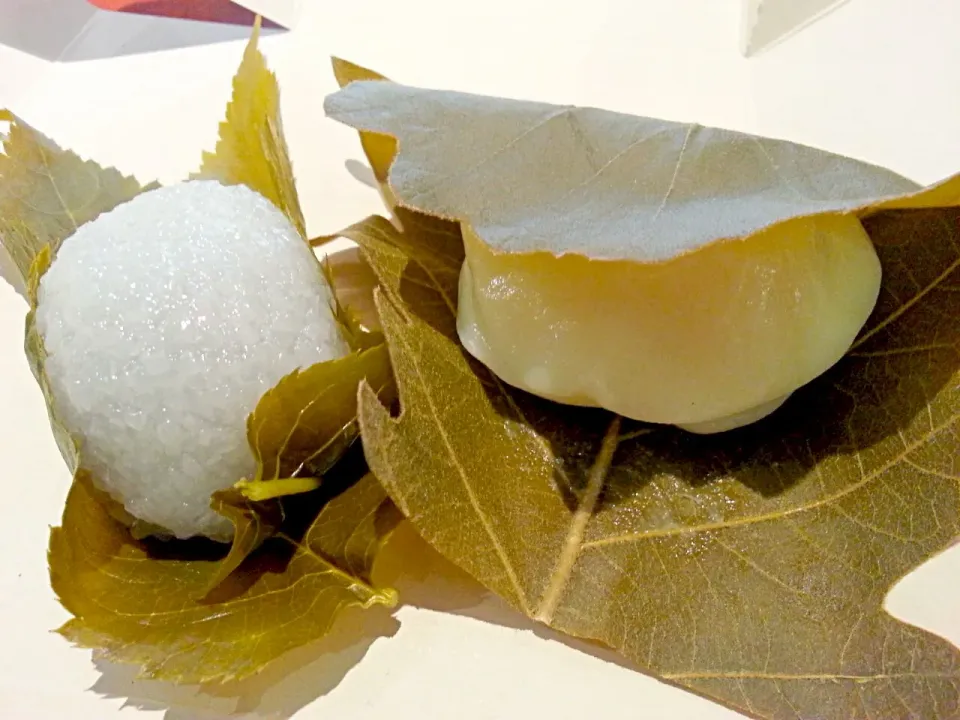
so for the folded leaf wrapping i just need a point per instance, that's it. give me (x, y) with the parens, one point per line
(528, 176)
(191, 612)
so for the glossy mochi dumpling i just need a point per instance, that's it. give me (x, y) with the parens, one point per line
(709, 341)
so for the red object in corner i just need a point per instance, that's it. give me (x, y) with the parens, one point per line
(222, 11)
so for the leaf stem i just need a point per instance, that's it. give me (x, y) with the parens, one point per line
(260, 490)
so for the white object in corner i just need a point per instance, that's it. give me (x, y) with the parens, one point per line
(282, 12)
(768, 22)
(77, 30)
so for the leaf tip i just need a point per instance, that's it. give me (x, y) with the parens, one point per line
(255, 32)
(347, 72)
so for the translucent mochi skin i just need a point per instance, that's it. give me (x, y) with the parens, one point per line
(709, 341)
(164, 322)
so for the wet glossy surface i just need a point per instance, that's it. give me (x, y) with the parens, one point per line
(714, 333)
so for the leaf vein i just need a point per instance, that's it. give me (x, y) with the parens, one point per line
(892, 317)
(767, 517)
(584, 512)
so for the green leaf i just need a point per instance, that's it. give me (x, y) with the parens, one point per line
(305, 423)
(299, 430)
(253, 523)
(33, 347)
(46, 193)
(353, 299)
(136, 602)
(751, 566)
(252, 150)
(422, 264)
(353, 283)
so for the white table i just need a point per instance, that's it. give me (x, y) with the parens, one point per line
(875, 80)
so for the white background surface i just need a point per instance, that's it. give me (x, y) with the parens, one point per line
(877, 80)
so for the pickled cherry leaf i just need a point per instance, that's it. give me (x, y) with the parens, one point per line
(305, 423)
(423, 263)
(750, 567)
(253, 523)
(136, 601)
(47, 192)
(194, 611)
(299, 430)
(252, 150)
(352, 281)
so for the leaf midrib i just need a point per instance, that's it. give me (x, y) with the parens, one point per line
(468, 488)
(56, 188)
(578, 524)
(759, 675)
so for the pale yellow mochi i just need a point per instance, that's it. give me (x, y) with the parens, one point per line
(709, 341)
(596, 269)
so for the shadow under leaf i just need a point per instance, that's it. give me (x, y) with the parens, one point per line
(280, 691)
(874, 393)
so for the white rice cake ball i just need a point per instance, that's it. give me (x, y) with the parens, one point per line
(165, 321)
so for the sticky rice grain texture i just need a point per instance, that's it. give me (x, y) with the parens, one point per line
(164, 322)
